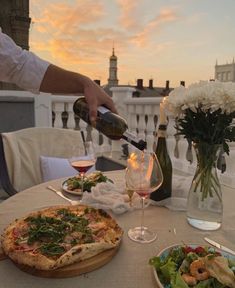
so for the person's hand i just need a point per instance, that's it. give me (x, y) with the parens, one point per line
(95, 97)
(58, 80)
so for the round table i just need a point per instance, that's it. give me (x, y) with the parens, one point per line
(129, 267)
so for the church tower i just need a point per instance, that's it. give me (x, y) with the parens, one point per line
(113, 81)
(15, 22)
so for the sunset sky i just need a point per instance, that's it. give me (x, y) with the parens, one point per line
(160, 39)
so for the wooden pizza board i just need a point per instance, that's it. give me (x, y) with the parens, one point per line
(75, 269)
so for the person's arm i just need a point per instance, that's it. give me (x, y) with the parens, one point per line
(19, 66)
(58, 80)
(34, 74)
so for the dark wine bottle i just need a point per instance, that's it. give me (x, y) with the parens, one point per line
(110, 124)
(164, 191)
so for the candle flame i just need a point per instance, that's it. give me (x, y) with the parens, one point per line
(132, 161)
(150, 169)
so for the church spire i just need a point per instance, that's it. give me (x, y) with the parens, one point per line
(113, 50)
(112, 80)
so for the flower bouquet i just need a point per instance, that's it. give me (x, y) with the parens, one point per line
(204, 113)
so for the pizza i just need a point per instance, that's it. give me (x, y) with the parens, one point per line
(60, 235)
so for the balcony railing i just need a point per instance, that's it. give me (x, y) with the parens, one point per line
(142, 116)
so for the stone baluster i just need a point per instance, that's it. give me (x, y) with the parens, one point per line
(141, 123)
(149, 127)
(171, 125)
(58, 108)
(71, 121)
(131, 118)
(42, 110)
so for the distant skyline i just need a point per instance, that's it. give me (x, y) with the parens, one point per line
(159, 39)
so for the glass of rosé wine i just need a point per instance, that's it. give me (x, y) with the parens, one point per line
(83, 159)
(143, 175)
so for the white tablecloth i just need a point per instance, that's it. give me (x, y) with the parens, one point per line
(129, 268)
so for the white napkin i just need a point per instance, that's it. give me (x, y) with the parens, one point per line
(180, 188)
(109, 196)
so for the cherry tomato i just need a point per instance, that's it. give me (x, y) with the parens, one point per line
(188, 249)
(199, 250)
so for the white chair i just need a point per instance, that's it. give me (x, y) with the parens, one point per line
(21, 150)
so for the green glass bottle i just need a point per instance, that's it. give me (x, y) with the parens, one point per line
(164, 191)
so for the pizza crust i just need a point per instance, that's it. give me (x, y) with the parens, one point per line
(82, 252)
(78, 252)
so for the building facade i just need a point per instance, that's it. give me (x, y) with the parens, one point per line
(225, 72)
(15, 22)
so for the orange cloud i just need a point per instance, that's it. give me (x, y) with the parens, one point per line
(74, 36)
(63, 17)
(86, 47)
(129, 13)
(166, 15)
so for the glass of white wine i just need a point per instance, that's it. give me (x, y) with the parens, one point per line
(143, 175)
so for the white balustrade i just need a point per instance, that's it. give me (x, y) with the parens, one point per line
(142, 116)
(141, 113)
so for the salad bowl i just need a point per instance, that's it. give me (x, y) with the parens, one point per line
(169, 253)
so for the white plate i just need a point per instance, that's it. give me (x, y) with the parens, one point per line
(64, 186)
(165, 252)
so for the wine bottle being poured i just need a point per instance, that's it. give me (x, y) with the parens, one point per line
(110, 124)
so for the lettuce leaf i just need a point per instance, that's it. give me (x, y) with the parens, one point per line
(178, 282)
(210, 283)
(168, 270)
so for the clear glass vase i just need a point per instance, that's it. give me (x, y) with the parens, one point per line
(205, 206)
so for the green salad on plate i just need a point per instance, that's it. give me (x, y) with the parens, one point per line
(186, 266)
(90, 180)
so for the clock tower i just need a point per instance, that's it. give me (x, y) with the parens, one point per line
(113, 81)
(15, 22)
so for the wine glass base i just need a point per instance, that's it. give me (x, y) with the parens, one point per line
(142, 235)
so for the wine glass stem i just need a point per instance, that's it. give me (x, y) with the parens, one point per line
(142, 217)
(82, 181)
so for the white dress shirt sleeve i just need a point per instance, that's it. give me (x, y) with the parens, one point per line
(19, 66)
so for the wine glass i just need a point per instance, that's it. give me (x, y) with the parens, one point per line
(84, 158)
(130, 194)
(143, 175)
